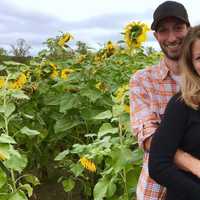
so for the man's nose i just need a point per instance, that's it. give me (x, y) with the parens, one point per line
(171, 36)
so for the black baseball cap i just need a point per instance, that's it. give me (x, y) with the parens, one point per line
(169, 9)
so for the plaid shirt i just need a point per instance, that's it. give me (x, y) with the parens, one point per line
(150, 91)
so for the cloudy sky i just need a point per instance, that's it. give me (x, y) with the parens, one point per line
(91, 21)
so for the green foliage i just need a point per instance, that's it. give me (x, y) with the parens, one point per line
(51, 121)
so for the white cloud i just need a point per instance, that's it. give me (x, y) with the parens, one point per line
(73, 10)
(91, 21)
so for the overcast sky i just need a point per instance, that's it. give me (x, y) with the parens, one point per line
(91, 21)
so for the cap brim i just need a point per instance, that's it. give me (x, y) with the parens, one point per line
(154, 25)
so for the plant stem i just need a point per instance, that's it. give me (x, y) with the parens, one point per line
(6, 128)
(13, 180)
(124, 170)
(4, 106)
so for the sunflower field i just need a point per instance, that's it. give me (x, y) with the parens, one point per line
(64, 120)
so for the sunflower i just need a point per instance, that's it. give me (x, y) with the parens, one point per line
(135, 33)
(2, 83)
(80, 58)
(65, 73)
(53, 66)
(101, 86)
(110, 48)
(64, 39)
(127, 108)
(88, 164)
(54, 73)
(121, 92)
(3, 156)
(19, 83)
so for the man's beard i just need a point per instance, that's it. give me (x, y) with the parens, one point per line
(174, 57)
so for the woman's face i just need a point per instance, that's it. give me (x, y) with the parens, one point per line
(196, 55)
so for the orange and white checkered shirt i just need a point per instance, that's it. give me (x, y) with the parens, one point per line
(150, 91)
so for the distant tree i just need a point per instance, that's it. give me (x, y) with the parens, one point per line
(54, 51)
(82, 47)
(150, 50)
(3, 52)
(21, 48)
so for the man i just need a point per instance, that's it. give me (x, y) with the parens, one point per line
(151, 89)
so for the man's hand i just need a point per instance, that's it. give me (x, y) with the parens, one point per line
(147, 144)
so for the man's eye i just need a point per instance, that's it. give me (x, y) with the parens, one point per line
(179, 28)
(161, 30)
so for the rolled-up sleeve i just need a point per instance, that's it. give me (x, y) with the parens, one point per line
(144, 121)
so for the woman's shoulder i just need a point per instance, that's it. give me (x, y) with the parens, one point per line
(177, 102)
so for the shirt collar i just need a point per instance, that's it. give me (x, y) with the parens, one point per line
(164, 70)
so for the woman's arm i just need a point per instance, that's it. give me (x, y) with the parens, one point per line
(164, 145)
(187, 162)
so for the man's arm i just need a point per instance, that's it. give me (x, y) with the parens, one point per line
(144, 121)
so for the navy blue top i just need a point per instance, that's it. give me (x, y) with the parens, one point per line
(179, 128)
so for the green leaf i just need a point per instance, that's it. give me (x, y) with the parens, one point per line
(117, 110)
(137, 156)
(9, 109)
(28, 116)
(105, 129)
(19, 195)
(100, 189)
(7, 139)
(92, 94)
(111, 189)
(2, 109)
(68, 184)
(3, 178)
(78, 148)
(27, 131)
(2, 67)
(68, 102)
(4, 196)
(77, 169)
(64, 124)
(27, 188)
(13, 63)
(2, 123)
(32, 179)
(132, 178)
(61, 155)
(104, 115)
(19, 94)
(16, 161)
(119, 161)
(5, 150)
(52, 99)
(89, 112)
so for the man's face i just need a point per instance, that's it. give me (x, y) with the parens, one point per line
(170, 34)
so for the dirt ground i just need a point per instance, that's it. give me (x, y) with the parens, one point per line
(53, 191)
(50, 189)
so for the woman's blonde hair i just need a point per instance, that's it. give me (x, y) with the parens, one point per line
(190, 84)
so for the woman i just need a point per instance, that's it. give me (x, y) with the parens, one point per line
(180, 128)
